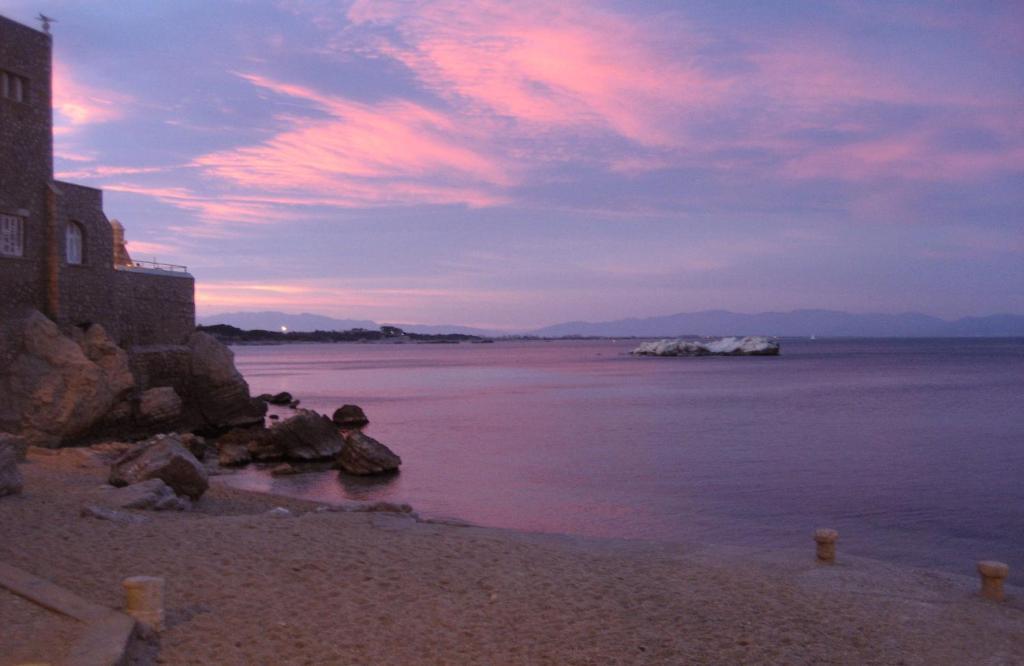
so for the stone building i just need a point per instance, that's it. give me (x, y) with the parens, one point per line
(59, 253)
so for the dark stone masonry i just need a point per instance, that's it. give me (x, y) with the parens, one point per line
(59, 253)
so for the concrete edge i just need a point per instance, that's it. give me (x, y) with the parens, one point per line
(107, 632)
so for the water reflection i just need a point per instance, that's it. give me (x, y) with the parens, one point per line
(910, 447)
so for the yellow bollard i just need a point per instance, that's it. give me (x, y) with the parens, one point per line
(992, 575)
(826, 540)
(144, 600)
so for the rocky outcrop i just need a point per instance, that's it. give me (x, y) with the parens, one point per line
(163, 457)
(304, 437)
(152, 494)
(350, 417)
(159, 405)
(56, 389)
(748, 346)
(10, 475)
(363, 455)
(216, 387)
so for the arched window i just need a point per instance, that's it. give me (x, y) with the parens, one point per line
(74, 243)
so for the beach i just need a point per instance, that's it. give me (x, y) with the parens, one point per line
(316, 587)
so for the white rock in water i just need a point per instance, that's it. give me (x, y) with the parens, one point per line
(748, 346)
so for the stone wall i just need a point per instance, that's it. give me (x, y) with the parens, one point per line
(153, 307)
(26, 163)
(88, 293)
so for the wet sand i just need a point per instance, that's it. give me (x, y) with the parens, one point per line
(244, 587)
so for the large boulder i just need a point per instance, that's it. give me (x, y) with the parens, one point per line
(163, 457)
(350, 417)
(159, 405)
(233, 446)
(10, 475)
(217, 388)
(305, 436)
(363, 455)
(55, 389)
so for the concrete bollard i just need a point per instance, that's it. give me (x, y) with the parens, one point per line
(144, 600)
(826, 540)
(992, 575)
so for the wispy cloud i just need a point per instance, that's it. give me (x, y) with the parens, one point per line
(551, 65)
(395, 152)
(76, 103)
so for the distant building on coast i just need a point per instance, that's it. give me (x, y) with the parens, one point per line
(59, 253)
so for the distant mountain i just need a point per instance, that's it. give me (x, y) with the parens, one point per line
(797, 323)
(273, 321)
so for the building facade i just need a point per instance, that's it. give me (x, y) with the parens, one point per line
(59, 253)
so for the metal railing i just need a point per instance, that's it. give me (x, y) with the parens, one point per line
(153, 265)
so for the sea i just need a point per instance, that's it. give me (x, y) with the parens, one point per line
(913, 449)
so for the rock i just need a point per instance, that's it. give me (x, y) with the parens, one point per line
(274, 417)
(101, 350)
(363, 454)
(152, 494)
(18, 444)
(217, 388)
(305, 436)
(350, 417)
(195, 444)
(748, 346)
(10, 475)
(283, 469)
(108, 452)
(233, 447)
(282, 398)
(294, 403)
(55, 390)
(162, 457)
(159, 405)
(103, 513)
(231, 455)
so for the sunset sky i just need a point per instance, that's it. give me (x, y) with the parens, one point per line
(515, 164)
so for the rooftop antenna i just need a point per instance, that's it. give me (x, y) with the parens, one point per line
(46, 21)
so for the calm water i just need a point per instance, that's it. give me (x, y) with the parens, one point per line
(913, 449)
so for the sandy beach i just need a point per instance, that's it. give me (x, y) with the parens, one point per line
(245, 587)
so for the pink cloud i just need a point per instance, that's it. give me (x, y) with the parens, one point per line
(151, 248)
(326, 296)
(550, 65)
(215, 209)
(76, 103)
(911, 155)
(393, 152)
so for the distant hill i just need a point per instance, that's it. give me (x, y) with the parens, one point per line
(797, 323)
(308, 322)
(449, 329)
(273, 321)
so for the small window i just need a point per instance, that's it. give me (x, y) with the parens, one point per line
(12, 236)
(13, 86)
(73, 244)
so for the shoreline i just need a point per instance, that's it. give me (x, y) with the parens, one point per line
(244, 586)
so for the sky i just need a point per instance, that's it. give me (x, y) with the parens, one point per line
(517, 164)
